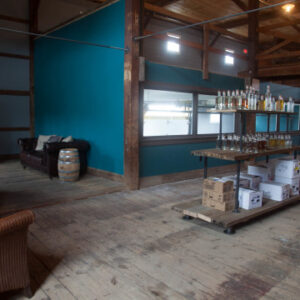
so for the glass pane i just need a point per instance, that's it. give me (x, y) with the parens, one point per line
(208, 123)
(167, 113)
(262, 123)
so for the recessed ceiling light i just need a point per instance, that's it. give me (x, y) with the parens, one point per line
(288, 7)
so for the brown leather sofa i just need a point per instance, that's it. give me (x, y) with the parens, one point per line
(14, 272)
(47, 159)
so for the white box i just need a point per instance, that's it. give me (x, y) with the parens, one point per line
(249, 199)
(275, 190)
(285, 167)
(293, 182)
(243, 182)
(261, 170)
(254, 181)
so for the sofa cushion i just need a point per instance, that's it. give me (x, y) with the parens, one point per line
(55, 139)
(42, 139)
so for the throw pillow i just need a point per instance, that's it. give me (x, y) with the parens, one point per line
(55, 139)
(68, 139)
(42, 139)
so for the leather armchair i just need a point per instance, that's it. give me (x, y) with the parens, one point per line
(14, 272)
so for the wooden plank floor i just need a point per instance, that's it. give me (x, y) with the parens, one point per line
(21, 189)
(132, 245)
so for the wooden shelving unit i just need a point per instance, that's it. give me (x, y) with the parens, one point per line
(231, 219)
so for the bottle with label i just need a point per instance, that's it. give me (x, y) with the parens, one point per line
(229, 100)
(268, 97)
(280, 104)
(244, 101)
(219, 100)
(290, 105)
(233, 100)
(224, 100)
(239, 100)
(261, 103)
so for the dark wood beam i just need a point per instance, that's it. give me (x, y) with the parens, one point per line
(14, 93)
(240, 4)
(165, 2)
(205, 53)
(279, 25)
(279, 55)
(189, 20)
(293, 38)
(275, 47)
(11, 55)
(253, 37)
(279, 70)
(131, 94)
(214, 40)
(13, 19)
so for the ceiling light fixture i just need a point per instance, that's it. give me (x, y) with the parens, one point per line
(288, 7)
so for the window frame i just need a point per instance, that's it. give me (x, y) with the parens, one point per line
(182, 139)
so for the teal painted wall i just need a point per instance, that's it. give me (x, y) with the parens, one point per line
(158, 160)
(79, 88)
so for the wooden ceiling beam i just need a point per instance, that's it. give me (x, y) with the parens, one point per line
(294, 38)
(280, 24)
(189, 20)
(279, 70)
(276, 47)
(279, 55)
(240, 4)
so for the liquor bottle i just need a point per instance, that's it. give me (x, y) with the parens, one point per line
(244, 100)
(233, 100)
(219, 100)
(268, 99)
(239, 100)
(272, 108)
(261, 104)
(255, 101)
(224, 106)
(290, 105)
(229, 100)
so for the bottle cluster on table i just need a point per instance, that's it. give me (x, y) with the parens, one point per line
(250, 99)
(254, 143)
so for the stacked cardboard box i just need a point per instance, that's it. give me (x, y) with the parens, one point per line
(287, 171)
(249, 199)
(218, 194)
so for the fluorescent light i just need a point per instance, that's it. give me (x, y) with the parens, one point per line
(173, 47)
(229, 51)
(229, 60)
(174, 36)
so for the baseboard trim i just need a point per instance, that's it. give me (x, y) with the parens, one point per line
(105, 174)
(173, 177)
(4, 157)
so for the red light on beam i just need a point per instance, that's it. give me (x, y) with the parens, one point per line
(245, 51)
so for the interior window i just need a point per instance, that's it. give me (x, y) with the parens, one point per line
(208, 123)
(167, 113)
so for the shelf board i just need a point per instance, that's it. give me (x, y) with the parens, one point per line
(236, 155)
(230, 219)
(213, 110)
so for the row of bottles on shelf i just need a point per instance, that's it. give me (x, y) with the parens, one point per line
(251, 100)
(254, 143)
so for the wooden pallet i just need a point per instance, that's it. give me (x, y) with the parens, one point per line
(231, 219)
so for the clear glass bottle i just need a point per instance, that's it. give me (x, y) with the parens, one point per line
(273, 104)
(224, 100)
(268, 98)
(219, 101)
(290, 105)
(229, 100)
(224, 141)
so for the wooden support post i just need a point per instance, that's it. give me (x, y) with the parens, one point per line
(33, 27)
(205, 52)
(131, 94)
(253, 37)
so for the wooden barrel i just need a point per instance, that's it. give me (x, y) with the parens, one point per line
(68, 164)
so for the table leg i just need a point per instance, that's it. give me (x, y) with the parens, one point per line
(205, 166)
(237, 188)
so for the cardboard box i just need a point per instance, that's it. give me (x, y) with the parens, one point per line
(293, 182)
(289, 168)
(218, 197)
(225, 206)
(217, 185)
(261, 170)
(275, 190)
(249, 199)
(243, 181)
(254, 180)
